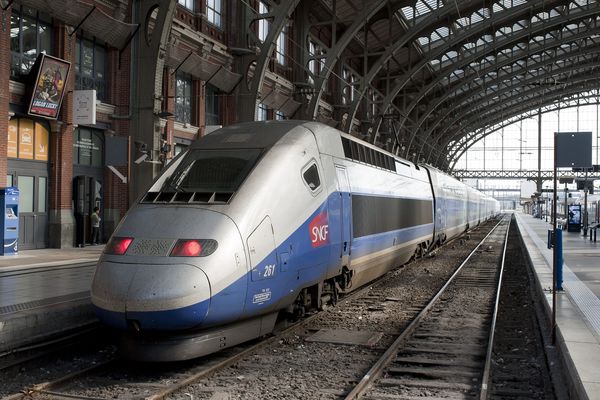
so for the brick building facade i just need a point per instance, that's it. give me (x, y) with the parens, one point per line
(199, 92)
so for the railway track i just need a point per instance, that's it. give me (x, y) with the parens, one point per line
(281, 356)
(444, 350)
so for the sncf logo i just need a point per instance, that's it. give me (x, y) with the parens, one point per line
(319, 230)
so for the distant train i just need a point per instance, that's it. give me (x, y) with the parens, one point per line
(261, 218)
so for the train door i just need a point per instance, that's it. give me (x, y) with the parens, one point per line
(33, 213)
(345, 211)
(263, 264)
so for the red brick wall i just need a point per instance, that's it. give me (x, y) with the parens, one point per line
(61, 166)
(4, 91)
(114, 190)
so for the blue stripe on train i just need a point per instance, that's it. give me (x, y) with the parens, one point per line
(300, 260)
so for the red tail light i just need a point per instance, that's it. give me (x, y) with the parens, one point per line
(193, 248)
(118, 245)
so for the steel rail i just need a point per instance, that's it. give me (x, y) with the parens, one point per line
(390, 353)
(43, 387)
(485, 380)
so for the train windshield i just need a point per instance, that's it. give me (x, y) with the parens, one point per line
(212, 170)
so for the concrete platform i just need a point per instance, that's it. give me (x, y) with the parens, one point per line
(578, 306)
(45, 293)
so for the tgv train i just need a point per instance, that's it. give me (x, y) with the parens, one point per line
(262, 218)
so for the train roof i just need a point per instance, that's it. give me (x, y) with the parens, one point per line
(257, 135)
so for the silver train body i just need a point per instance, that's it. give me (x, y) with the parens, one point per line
(264, 217)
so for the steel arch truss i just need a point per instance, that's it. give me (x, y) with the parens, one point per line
(425, 77)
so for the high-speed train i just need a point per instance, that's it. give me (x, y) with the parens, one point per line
(261, 218)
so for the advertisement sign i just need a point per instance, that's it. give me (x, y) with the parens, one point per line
(26, 139)
(84, 107)
(49, 86)
(574, 214)
(42, 138)
(13, 134)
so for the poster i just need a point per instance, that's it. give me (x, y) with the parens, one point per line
(574, 214)
(49, 87)
(41, 142)
(13, 134)
(26, 139)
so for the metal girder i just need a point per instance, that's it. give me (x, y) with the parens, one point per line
(541, 28)
(426, 24)
(517, 99)
(254, 66)
(338, 46)
(505, 17)
(475, 136)
(555, 23)
(514, 110)
(510, 112)
(522, 174)
(585, 68)
(510, 61)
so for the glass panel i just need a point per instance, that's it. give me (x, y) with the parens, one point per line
(25, 185)
(77, 58)
(45, 33)
(212, 106)
(311, 177)
(179, 148)
(76, 143)
(97, 194)
(9, 180)
(96, 150)
(100, 62)
(85, 147)
(212, 170)
(29, 35)
(183, 109)
(14, 33)
(87, 58)
(42, 183)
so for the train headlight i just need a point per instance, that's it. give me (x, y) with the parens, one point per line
(118, 245)
(194, 248)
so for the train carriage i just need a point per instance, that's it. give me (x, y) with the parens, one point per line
(261, 218)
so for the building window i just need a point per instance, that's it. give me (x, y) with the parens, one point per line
(263, 24)
(261, 112)
(179, 147)
(279, 115)
(90, 67)
(189, 4)
(88, 147)
(280, 49)
(30, 35)
(316, 63)
(214, 12)
(183, 98)
(27, 139)
(212, 109)
(348, 90)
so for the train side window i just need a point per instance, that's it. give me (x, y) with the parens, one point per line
(311, 177)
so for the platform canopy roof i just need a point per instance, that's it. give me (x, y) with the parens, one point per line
(429, 77)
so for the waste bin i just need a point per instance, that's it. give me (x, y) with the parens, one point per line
(9, 223)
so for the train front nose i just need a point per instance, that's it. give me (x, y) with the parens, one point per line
(150, 296)
(165, 268)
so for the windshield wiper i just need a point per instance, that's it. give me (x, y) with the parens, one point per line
(170, 184)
